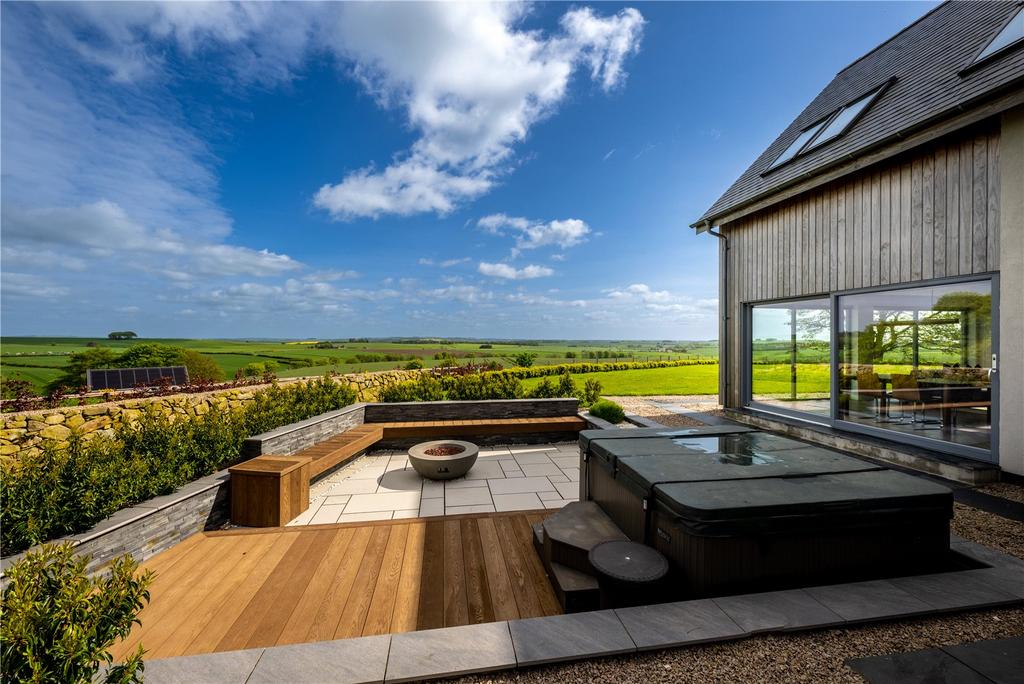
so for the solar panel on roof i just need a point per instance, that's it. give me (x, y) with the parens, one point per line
(127, 378)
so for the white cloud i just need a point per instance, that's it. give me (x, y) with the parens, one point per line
(471, 82)
(329, 276)
(30, 285)
(511, 273)
(448, 263)
(104, 228)
(467, 294)
(534, 234)
(425, 261)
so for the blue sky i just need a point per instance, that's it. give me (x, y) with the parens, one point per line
(328, 170)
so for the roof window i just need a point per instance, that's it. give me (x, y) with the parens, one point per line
(831, 127)
(1011, 33)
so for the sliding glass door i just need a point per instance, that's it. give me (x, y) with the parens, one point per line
(913, 364)
(789, 355)
(917, 361)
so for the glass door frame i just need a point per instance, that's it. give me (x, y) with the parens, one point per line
(990, 455)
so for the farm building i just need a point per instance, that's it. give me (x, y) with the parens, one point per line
(872, 258)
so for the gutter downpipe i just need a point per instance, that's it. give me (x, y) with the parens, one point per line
(724, 381)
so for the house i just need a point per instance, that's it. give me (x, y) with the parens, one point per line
(872, 258)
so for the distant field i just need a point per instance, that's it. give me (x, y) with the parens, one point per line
(39, 359)
(650, 381)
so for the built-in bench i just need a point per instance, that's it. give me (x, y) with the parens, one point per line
(326, 442)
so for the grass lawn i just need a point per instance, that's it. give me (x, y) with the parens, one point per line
(650, 381)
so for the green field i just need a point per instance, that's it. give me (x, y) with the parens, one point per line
(39, 359)
(651, 381)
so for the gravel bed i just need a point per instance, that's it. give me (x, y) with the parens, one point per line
(646, 407)
(989, 529)
(1005, 490)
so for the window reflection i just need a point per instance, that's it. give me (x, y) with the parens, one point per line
(918, 361)
(790, 355)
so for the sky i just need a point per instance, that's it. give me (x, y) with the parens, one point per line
(328, 170)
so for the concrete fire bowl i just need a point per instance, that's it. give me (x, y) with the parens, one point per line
(443, 459)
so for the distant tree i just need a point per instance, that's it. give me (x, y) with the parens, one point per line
(201, 368)
(570, 355)
(122, 335)
(524, 359)
(79, 362)
(150, 355)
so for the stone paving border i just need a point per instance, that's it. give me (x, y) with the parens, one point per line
(455, 651)
(983, 662)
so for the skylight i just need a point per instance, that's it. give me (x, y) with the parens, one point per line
(798, 144)
(1011, 33)
(841, 121)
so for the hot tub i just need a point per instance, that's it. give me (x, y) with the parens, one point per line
(747, 511)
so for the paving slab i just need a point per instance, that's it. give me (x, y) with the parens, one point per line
(327, 514)
(432, 489)
(467, 496)
(532, 458)
(431, 507)
(365, 517)
(450, 652)
(664, 625)
(951, 590)
(568, 637)
(462, 510)
(484, 470)
(520, 485)
(354, 487)
(986, 554)
(412, 513)
(873, 600)
(1005, 579)
(389, 501)
(557, 503)
(517, 502)
(541, 469)
(400, 481)
(347, 661)
(777, 610)
(566, 461)
(229, 667)
(568, 490)
(1001, 660)
(463, 483)
(931, 666)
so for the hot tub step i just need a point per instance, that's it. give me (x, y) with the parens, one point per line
(576, 591)
(570, 533)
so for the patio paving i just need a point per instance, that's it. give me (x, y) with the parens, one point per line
(383, 486)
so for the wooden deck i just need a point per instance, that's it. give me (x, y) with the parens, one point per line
(235, 589)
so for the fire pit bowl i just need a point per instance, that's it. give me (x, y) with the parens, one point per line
(443, 459)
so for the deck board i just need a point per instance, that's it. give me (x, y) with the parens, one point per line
(237, 589)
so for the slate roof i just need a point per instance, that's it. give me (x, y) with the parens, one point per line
(926, 60)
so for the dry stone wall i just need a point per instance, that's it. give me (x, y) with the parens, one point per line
(26, 432)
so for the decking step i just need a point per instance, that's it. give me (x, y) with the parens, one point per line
(570, 533)
(577, 592)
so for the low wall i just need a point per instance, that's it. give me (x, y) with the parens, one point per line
(456, 410)
(294, 437)
(152, 526)
(27, 431)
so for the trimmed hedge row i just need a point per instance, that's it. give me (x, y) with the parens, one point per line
(577, 368)
(65, 490)
(490, 385)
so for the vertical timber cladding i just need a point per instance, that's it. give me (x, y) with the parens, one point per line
(932, 213)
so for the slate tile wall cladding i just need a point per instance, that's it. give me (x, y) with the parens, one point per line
(153, 526)
(456, 410)
(297, 436)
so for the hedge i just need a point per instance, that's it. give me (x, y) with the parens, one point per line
(577, 368)
(65, 490)
(489, 385)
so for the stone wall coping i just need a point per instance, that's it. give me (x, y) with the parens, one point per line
(595, 423)
(492, 402)
(308, 422)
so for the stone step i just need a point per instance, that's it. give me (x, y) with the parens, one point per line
(573, 530)
(577, 592)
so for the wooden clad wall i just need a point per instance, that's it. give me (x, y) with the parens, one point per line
(927, 215)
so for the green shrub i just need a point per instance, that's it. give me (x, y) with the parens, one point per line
(524, 359)
(591, 392)
(608, 410)
(545, 389)
(415, 364)
(423, 388)
(202, 369)
(64, 490)
(59, 623)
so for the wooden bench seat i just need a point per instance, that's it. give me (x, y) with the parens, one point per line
(481, 426)
(338, 449)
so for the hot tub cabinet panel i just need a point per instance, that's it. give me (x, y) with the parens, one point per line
(735, 536)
